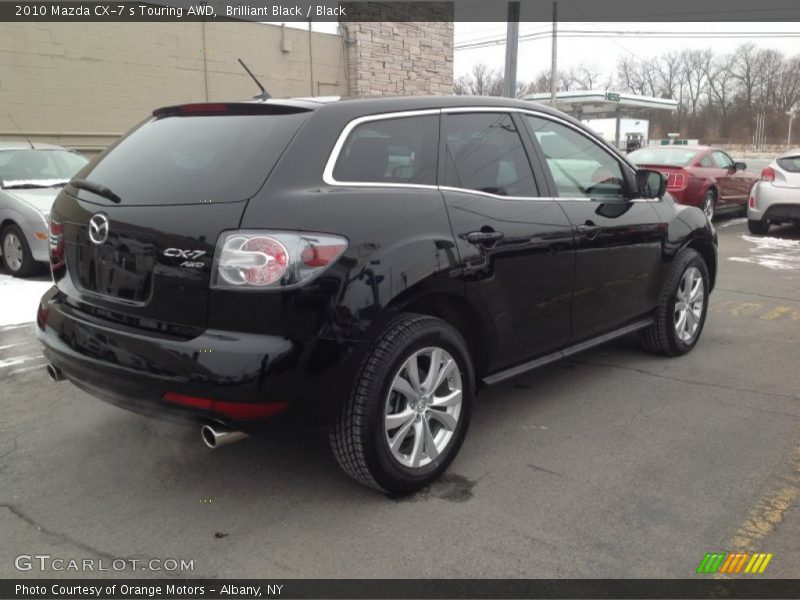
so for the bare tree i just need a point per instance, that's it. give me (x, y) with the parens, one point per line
(481, 81)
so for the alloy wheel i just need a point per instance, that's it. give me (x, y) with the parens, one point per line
(423, 407)
(12, 251)
(708, 206)
(689, 304)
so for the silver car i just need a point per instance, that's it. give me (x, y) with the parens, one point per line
(31, 175)
(776, 197)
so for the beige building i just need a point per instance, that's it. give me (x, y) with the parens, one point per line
(84, 84)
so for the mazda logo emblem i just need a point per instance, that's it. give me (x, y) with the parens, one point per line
(98, 229)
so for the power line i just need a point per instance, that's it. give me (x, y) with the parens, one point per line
(585, 33)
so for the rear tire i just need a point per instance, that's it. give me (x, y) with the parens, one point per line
(709, 204)
(757, 227)
(16, 253)
(682, 309)
(398, 432)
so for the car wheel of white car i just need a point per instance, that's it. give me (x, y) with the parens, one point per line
(758, 226)
(16, 253)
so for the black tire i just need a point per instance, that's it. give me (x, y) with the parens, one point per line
(661, 337)
(709, 204)
(358, 437)
(28, 266)
(757, 227)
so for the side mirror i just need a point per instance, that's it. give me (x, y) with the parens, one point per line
(739, 166)
(650, 184)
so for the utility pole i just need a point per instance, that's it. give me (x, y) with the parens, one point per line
(512, 45)
(554, 65)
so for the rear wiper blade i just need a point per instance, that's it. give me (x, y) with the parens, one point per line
(96, 188)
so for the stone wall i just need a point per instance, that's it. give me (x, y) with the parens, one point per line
(388, 57)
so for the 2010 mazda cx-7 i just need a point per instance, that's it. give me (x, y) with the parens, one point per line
(366, 264)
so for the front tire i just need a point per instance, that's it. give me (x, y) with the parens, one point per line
(682, 309)
(757, 227)
(16, 253)
(410, 408)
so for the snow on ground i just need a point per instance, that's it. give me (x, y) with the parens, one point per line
(19, 298)
(771, 252)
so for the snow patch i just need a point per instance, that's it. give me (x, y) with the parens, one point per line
(771, 252)
(19, 299)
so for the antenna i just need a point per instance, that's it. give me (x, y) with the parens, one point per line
(264, 95)
(22, 133)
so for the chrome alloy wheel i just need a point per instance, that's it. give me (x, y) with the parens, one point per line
(423, 407)
(12, 251)
(708, 206)
(689, 304)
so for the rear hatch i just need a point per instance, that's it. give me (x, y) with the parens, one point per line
(788, 174)
(139, 242)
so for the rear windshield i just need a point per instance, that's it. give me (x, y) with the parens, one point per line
(671, 157)
(194, 159)
(790, 164)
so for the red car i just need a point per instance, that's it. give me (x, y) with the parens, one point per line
(700, 176)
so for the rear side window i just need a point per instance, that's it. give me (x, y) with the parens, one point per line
(485, 153)
(195, 159)
(396, 150)
(790, 164)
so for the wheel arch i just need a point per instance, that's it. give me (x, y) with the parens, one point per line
(457, 311)
(706, 249)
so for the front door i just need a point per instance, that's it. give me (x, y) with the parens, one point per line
(619, 237)
(515, 243)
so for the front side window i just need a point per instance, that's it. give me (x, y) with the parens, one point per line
(484, 152)
(580, 167)
(706, 161)
(397, 150)
(722, 160)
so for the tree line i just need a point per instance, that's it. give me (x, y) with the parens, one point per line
(720, 95)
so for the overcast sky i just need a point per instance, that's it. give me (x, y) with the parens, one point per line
(605, 50)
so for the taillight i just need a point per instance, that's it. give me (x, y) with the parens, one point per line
(768, 174)
(676, 181)
(56, 243)
(752, 202)
(272, 259)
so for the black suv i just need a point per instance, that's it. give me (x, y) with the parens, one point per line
(366, 264)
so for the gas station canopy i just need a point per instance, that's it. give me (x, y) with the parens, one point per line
(601, 103)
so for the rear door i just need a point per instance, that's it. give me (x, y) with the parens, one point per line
(619, 237)
(514, 242)
(182, 178)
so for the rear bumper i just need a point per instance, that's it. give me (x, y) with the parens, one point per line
(774, 203)
(135, 370)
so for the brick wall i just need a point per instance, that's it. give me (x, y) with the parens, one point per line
(83, 84)
(388, 57)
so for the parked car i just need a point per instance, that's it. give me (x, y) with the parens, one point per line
(700, 176)
(775, 198)
(366, 264)
(31, 175)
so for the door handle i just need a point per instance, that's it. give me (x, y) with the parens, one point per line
(483, 237)
(588, 229)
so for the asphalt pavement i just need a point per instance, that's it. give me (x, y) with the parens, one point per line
(616, 463)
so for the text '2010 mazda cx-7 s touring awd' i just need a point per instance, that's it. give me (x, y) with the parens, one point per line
(365, 264)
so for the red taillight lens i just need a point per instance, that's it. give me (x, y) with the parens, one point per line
(768, 174)
(676, 181)
(272, 259)
(239, 411)
(321, 256)
(752, 202)
(56, 243)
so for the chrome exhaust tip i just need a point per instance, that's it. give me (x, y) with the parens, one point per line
(215, 436)
(54, 372)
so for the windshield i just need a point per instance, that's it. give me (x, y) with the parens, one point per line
(38, 168)
(194, 159)
(671, 157)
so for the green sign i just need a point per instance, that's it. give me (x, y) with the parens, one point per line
(612, 96)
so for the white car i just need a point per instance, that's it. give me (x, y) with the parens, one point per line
(775, 198)
(31, 176)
